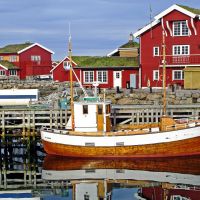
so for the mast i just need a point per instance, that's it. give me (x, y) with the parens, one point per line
(164, 74)
(71, 81)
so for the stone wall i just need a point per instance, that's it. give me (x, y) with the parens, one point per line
(126, 96)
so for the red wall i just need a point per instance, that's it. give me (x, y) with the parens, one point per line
(29, 68)
(125, 77)
(61, 75)
(153, 37)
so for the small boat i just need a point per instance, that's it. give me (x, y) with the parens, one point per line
(17, 195)
(89, 132)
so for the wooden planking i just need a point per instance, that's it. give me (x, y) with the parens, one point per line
(151, 150)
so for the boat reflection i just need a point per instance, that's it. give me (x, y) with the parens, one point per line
(172, 178)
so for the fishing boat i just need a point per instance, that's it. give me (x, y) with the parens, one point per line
(89, 132)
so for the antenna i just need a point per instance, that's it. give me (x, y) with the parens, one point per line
(71, 79)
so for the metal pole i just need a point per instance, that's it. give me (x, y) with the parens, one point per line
(164, 75)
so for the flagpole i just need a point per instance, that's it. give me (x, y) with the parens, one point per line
(71, 81)
(164, 75)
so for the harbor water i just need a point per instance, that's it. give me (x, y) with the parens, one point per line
(26, 171)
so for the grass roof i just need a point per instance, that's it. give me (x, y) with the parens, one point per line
(130, 45)
(193, 10)
(14, 48)
(93, 61)
(8, 64)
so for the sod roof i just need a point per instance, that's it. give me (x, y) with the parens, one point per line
(193, 10)
(8, 64)
(93, 61)
(130, 45)
(14, 48)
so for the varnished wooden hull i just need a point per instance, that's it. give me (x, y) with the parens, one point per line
(168, 149)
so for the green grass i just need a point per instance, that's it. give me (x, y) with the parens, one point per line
(8, 64)
(84, 61)
(14, 48)
(193, 10)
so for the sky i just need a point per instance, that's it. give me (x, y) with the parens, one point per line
(97, 26)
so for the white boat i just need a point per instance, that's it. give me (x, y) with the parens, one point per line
(89, 132)
(17, 195)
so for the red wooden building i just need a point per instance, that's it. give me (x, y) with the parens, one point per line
(109, 72)
(181, 25)
(25, 60)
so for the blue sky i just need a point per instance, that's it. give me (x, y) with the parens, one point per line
(97, 26)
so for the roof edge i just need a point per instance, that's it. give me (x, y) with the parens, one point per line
(35, 44)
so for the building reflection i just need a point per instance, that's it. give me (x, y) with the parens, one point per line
(173, 179)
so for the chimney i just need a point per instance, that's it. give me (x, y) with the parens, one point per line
(131, 37)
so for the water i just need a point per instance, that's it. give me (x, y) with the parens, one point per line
(27, 170)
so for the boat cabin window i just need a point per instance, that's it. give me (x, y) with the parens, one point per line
(86, 196)
(85, 109)
(107, 109)
(100, 109)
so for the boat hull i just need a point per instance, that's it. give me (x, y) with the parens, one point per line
(168, 149)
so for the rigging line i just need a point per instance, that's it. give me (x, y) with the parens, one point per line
(85, 93)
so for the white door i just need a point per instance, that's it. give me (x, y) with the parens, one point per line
(117, 79)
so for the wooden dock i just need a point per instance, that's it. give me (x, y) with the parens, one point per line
(28, 122)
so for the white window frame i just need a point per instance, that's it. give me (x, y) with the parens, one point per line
(156, 75)
(156, 51)
(2, 72)
(102, 76)
(1, 58)
(13, 58)
(182, 28)
(180, 50)
(36, 58)
(66, 65)
(90, 75)
(181, 75)
(14, 72)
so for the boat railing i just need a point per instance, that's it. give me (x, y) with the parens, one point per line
(58, 131)
(182, 126)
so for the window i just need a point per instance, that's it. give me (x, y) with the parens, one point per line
(180, 28)
(155, 51)
(155, 75)
(2, 73)
(117, 75)
(13, 58)
(36, 58)
(100, 109)
(66, 65)
(85, 109)
(13, 72)
(88, 76)
(177, 74)
(107, 109)
(102, 76)
(181, 49)
(1, 57)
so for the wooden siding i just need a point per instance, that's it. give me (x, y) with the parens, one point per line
(153, 38)
(28, 68)
(128, 53)
(191, 78)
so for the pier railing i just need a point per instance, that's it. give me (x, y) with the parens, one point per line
(30, 121)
